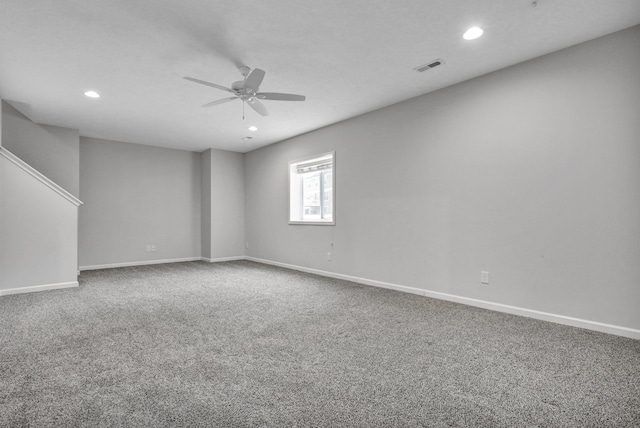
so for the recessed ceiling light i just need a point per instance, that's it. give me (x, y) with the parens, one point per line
(252, 128)
(473, 33)
(92, 94)
(246, 138)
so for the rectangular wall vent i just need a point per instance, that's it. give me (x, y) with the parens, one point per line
(429, 66)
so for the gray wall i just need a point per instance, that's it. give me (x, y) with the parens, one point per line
(531, 173)
(52, 150)
(134, 196)
(223, 204)
(38, 232)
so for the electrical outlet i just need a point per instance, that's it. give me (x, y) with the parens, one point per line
(148, 248)
(329, 256)
(484, 277)
(153, 248)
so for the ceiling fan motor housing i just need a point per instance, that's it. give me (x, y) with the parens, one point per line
(244, 70)
(237, 86)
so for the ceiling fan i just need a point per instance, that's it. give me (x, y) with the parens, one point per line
(247, 91)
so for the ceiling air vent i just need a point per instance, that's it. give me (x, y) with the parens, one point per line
(429, 66)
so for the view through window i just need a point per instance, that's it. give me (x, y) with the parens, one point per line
(311, 190)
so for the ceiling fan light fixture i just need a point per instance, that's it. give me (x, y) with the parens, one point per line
(253, 128)
(473, 33)
(91, 94)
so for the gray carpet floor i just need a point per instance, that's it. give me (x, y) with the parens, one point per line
(244, 344)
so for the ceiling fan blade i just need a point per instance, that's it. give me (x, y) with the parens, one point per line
(213, 85)
(280, 97)
(258, 107)
(254, 80)
(222, 101)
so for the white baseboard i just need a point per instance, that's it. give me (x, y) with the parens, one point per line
(341, 276)
(36, 288)
(223, 259)
(529, 313)
(140, 263)
(544, 316)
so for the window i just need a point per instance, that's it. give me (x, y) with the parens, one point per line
(312, 190)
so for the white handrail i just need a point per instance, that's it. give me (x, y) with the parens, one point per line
(39, 176)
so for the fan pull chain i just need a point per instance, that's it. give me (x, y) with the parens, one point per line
(243, 110)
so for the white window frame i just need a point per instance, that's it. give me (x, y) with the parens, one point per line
(295, 191)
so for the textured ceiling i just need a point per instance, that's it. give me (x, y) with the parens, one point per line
(347, 57)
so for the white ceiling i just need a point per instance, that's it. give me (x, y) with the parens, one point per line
(347, 57)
